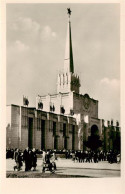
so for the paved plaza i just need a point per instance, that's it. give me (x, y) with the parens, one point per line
(70, 168)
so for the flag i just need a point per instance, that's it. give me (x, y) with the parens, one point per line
(25, 101)
(71, 112)
(40, 105)
(53, 108)
(108, 123)
(117, 123)
(111, 122)
(62, 110)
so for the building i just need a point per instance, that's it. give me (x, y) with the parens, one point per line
(60, 121)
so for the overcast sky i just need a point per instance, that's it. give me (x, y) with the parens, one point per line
(36, 35)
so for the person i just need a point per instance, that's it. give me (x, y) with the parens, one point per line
(26, 159)
(12, 153)
(43, 159)
(73, 156)
(52, 159)
(16, 159)
(76, 156)
(87, 156)
(20, 159)
(95, 157)
(47, 157)
(82, 156)
(30, 159)
(118, 158)
(34, 159)
(44, 156)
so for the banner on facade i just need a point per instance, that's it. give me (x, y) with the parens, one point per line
(25, 101)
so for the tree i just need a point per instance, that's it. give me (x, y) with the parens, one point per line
(93, 142)
(117, 143)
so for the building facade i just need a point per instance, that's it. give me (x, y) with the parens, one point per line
(59, 121)
(43, 130)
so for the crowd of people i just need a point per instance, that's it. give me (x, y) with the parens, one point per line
(91, 156)
(29, 157)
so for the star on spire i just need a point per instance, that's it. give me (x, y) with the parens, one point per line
(69, 11)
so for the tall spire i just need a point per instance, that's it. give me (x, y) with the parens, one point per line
(67, 80)
(68, 61)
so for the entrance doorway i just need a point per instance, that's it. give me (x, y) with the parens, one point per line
(43, 134)
(55, 136)
(30, 133)
(64, 135)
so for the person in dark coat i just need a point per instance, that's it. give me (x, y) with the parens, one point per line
(20, 159)
(26, 158)
(83, 156)
(12, 153)
(34, 159)
(95, 158)
(47, 158)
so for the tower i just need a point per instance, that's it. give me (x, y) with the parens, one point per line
(67, 80)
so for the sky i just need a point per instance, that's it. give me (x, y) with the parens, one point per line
(36, 36)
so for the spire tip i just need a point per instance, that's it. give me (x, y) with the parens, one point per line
(69, 12)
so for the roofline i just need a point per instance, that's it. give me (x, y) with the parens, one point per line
(83, 96)
(53, 94)
(12, 105)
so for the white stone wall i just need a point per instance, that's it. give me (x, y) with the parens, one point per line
(58, 100)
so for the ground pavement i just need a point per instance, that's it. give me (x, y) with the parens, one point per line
(69, 168)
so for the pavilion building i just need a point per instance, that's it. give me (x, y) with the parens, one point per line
(59, 121)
